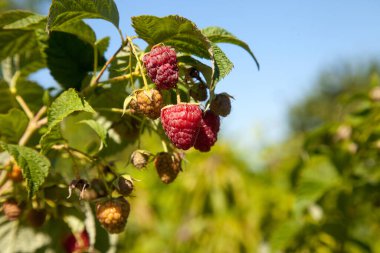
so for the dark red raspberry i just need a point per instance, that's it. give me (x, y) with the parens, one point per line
(77, 243)
(168, 165)
(181, 123)
(221, 104)
(161, 66)
(208, 131)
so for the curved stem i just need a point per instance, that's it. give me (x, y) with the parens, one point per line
(35, 123)
(133, 49)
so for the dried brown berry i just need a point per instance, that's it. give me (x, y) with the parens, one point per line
(125, 185)
(147, 102)
(221, 105)
(168, 165)
(11, 209)
(140, 158)
(36, 217)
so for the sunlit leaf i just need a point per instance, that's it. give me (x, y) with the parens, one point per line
(35, 167)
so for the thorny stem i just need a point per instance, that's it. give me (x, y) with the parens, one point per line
(34, 123)
(133, 49)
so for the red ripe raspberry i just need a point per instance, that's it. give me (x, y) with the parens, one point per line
(77, 243)
(113, 214)
(181, 123)
(161, 66)
(208, 131)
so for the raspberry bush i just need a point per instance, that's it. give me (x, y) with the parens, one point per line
(60, 146)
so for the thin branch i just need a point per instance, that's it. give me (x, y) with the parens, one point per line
(25, 107)
(34, 123)
(121, 78)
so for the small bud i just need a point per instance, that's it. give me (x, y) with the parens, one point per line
(125, 185)
(140, 158)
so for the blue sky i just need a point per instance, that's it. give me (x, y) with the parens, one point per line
(293, 41)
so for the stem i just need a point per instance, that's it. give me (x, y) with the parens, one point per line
(95, 61)
(34, 123)
(121, 78)
(117, 110)
(96, 80)
(24, 106)
(138, 62)
(178, 95)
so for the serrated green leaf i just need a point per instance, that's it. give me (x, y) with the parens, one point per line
(53, 138)
(13, 125)
(67, 103)
(221, 64)
(14, 19)
(175, 31)
(70, 59)
(16, 41)
(70, 11)
(35, 167)
(79, 29)
(220, 35)
(100, 130)
(102, 45)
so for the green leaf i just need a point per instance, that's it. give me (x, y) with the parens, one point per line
(70, 11)
(79, 29)
(70, 59)
(16, 19)
(35, 167)
(203, 68)
(16, 41)
(53, 138)
(100, 130)
(13, 125)
(67, 103)
(220, 35)
(285, 234)
(102, 45)
(7, 100)
(175, 31)
(318, 176)
(221, 64)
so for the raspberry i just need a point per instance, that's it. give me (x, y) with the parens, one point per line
(15, 174)
(140, 158)
(208, 131)
(147, 102)
(221, 105)
(113, 214)
(168, 166)
(181, 123)
(125, 185)
(199, 92)
(36, 217)
(11, 209)
(77, 243)
(161, 66)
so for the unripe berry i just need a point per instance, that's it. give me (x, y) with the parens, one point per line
(113, 214)
(221, 105)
